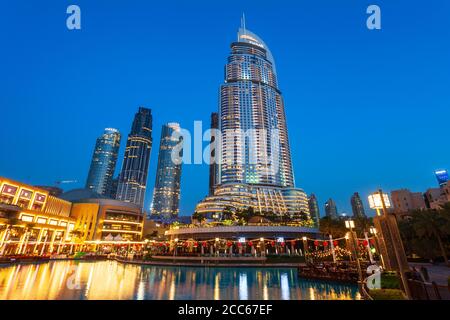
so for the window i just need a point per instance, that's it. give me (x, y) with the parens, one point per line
(27, 218)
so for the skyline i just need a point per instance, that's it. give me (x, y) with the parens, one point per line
(314, 169)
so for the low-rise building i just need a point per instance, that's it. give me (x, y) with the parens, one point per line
(404, 201)
(32, 220)
(99, 218)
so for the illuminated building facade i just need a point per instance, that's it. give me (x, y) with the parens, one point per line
(101, 219)
(33, 220)
(133, 176)
(357, 206)
(254, 159)
(166, 195)
(103, 162)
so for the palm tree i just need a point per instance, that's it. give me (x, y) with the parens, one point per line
(431, 224)
(199, 217)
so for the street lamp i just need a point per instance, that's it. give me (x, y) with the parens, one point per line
(350, 224)
(379, 201)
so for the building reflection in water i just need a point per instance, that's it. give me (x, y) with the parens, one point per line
(112, 280)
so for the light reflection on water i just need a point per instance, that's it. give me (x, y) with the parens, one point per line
(111, 280)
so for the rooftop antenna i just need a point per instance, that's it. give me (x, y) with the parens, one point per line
(242, 25)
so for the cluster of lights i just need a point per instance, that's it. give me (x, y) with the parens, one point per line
(338, 251)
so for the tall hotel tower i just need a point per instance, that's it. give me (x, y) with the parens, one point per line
(254, 156)
(133, 176)
(166, 195)
(103, 162)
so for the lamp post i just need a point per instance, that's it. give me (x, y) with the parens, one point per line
(350, 224)
(373, 231)
(393, 256)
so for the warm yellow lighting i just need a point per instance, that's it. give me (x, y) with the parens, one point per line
(376, 203)
(373, 230)
(349, 224)
(176, 240)
(304, 238)
(217, 239)
(261, 239)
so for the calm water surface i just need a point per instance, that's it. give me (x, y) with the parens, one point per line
(111, 280)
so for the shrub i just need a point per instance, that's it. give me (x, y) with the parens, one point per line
(387, 294)
(390, 281)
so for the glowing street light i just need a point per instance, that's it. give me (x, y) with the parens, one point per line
(373, 230)
(379, 202)
(350, 224)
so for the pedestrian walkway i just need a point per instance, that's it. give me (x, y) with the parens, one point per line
(438, 273)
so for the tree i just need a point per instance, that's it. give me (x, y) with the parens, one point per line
(332, 226)
(363, 224)
(432, 224)
(199, 217)
(227, 213)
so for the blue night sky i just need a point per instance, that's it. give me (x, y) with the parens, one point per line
(365, 109)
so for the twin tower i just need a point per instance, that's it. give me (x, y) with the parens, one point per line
(130, 186)
(252, 165)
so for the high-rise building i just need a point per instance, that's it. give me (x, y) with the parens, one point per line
(254, 156)
(213, 167)
(114, 185)
(166, 195)
(133, 176)
(404, 201)
(314, 210)
(103, 163)
(442, 177)
(331, 209)
(357, 206)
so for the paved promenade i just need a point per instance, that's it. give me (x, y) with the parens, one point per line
(439, 273)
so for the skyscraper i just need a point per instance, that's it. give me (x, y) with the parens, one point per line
(314, 209)
(103, 163)
(133, 176)
(213, 167)
(442, 177)
(254, 159)
(331, 209)
(166, 195)
(357, 206)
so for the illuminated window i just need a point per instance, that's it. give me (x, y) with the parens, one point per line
(41, 220)
(27, 218)
(53, 222)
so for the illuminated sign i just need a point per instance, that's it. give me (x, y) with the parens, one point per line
(280, 239)
(441, 176)
(241, 240)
